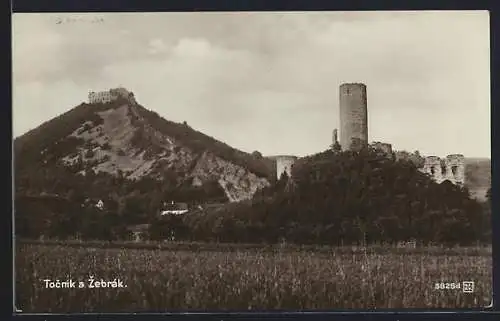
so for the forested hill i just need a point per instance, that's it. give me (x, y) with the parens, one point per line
(342, 198)
(122, 139)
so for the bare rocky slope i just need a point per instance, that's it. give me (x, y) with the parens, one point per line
(124, 139)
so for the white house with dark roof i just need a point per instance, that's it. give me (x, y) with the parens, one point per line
(175, 209)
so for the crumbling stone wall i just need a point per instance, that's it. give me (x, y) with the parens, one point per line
(100, 97)
(452, 168)
(110, 95)
(455, 168)
(432, 166)
(353, 116)
(383, 148)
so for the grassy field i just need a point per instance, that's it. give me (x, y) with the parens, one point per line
(242, 278)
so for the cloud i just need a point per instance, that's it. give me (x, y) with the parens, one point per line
(241, 76)
(46, 50)
(157, 46)
(190, 81)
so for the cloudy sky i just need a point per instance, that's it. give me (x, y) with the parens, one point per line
(268, 81)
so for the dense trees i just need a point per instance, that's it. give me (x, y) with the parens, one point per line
(334, 197)
(343, 198)
(70, 209)
(337, 198)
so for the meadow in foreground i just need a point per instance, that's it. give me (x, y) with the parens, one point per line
(243, 279)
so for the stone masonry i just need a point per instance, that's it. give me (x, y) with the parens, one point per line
(432, 167)
(455, 168)
(353, 116)
(383, 148)
(452, 168)
(108, 96)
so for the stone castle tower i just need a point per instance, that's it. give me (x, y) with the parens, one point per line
(434, 168)
(455, 168)
(284, 163)
(353, 116)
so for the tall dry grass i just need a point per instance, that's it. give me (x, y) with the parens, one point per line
(242, 279)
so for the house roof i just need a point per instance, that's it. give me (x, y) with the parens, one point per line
(175, 207)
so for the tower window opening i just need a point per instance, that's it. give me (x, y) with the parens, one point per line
(433, 171)
(454, 170)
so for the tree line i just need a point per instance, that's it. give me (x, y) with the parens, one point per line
(333, 197)
(349, 198)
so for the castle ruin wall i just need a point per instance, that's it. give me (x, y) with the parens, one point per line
(452, 168)
(384, 148)
(108, 96)
(455, 168)
(432, 167)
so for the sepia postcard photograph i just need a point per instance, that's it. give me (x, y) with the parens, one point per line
(251, 161)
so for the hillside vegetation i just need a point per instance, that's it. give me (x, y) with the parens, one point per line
(114, 150)
(334, 198)
(48, 143)
(28, 148)
(345, 198)
(69, 210)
